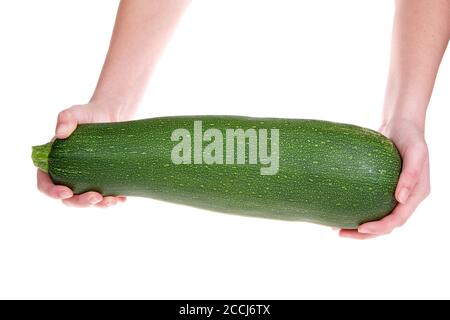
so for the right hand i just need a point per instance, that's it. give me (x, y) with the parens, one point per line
(66, 124)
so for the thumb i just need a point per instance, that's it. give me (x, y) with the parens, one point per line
(68, 120)
(413, 160)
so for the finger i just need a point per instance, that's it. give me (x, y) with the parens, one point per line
(413, 164)
(69, 119)
(84, 200)
(121, 198)
(111, 201)
(46, 186)
(402, 212)
(396, 219)
(386, 225)
(65, 124)
(107, 202)
(354, 234)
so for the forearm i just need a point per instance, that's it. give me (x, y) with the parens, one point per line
(141, 31)
(420, 36)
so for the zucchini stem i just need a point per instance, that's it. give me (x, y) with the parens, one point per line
(40, 156)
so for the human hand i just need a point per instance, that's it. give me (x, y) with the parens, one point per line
(414, 183)
(66, 124)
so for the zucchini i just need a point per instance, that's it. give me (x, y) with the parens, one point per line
(307, 170)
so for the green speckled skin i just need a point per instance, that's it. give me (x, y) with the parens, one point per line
(332, 174)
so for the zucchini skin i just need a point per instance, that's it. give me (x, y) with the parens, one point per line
(329, 173)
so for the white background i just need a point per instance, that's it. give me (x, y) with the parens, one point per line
(304, 59)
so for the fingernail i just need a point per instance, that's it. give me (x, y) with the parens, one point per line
(94, 200)
(365, 230)
(65, 194)
(62, 129)
(403, 195)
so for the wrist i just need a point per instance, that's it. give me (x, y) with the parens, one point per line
(397, 127)
(407, 108)
(404, 115)
(114, 108)
(398, 121)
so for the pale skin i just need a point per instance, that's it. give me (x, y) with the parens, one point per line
(420, 36)
(141, 31)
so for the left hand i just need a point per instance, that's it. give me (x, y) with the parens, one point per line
(414, 183)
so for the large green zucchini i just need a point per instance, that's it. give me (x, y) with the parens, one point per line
(328, 173)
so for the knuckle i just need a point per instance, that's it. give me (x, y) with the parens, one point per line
(411, 175)
(82, 200)
(64, 115)
(423, 148)
(427, 191)
(390, 227)
(401, 222)
(408, 179)
(108, 203)
(419, 148)
(41, 186)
